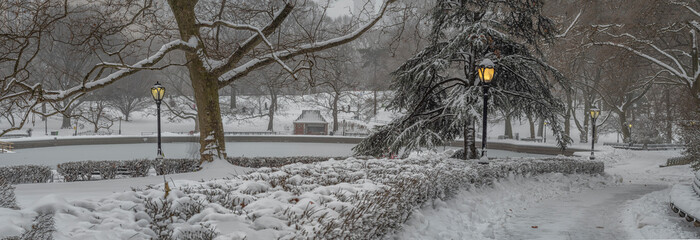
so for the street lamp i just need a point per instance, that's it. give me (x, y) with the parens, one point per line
(629, 126)
(545, 131)
(486, 73)
(595, 112)
(158, 91)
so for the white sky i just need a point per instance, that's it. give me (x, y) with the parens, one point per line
(340, 7)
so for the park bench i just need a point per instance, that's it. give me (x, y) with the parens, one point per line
(531, 139)
(5, 147)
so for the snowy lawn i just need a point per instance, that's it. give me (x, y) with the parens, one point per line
(333, 199)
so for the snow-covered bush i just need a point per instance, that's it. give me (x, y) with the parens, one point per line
(691, 136)
(346, 199)
(41, 229)
(170, 166)
(137, 168)
(107, 169)
(7, 195)
(355, 199)
(74, 171)
(258, 162)
(25, 174)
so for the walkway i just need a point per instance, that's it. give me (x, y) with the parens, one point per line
(591, 214)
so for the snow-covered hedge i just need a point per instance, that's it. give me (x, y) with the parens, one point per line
(26, 174)
(84, 170)
(348, 199)
(7, 195)
(170, 166)
(258, 162)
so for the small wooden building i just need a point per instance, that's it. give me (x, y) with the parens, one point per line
(310, 122)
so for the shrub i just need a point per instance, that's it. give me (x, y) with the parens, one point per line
(170, 166)
(25, 174)
(7, 195)
(258, 162)
(137, 168)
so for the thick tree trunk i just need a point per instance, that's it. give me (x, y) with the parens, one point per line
(508, 134)
(470, 140)
(567, 116)
(532, 126)
(65, 123)
(540, 127)
(205, 85)
(586, 126)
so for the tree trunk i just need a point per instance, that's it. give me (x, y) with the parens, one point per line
(233, 97)
(66, 124)
(626, 133)
(336, 97)
(470, 140)
(567, 116)
(508, 134)
(532, 125)
(669, 118)
(586, 120)
(205, 85)
(271, 110)
(540, 127)
(375, 103)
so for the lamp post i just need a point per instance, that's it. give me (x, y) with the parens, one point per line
(595, 112)
(545, 131)
(158, 91)
(120, 125)
(486, 73)
(629, 126)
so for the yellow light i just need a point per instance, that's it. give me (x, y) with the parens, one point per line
(630, 125)
(486, 74)
(595, 112)
(486, 70)
(157, 92)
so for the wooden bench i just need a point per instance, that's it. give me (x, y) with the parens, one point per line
(531, 139)
(5, 147)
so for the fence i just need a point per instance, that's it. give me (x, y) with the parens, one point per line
(648, 147)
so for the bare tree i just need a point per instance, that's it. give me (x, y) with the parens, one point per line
(217, 52)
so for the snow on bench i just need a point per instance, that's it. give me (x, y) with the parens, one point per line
(685, 200)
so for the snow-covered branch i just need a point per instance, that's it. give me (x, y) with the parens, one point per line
(256, 63)
(124, 71)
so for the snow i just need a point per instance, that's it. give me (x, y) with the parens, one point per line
(487, 213)
(649, 217)
(630, 201)
(27, 194)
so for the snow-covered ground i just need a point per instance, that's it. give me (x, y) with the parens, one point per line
(50, 156)
(630, 201)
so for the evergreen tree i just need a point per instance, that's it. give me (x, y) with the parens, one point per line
(441, 105)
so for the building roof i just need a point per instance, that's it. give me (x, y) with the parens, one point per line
(310, 116)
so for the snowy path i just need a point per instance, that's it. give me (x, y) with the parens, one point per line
(591, 214)
(631, 202)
